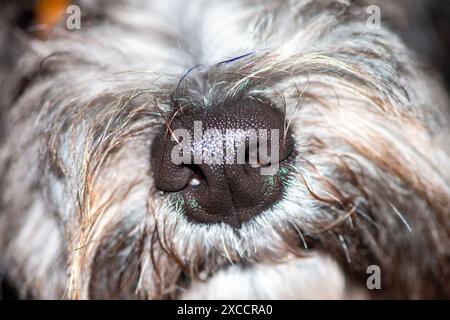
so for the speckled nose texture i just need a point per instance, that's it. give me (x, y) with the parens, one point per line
(214, 184)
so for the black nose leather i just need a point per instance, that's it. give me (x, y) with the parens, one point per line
(222, 191)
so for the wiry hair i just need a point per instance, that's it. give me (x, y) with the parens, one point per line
(369, 182)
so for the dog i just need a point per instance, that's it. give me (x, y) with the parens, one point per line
(93, 207)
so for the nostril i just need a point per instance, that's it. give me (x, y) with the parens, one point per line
(195, 181)
(198, 177)
(253, 159)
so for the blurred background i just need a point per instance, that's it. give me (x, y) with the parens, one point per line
(425, 27)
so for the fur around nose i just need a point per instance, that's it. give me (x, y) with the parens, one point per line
(222, 179)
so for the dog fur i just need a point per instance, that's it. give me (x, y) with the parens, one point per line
(370, 183)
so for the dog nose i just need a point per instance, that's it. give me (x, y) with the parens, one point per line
(226, 163)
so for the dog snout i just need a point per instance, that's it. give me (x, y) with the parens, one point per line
(224, 164)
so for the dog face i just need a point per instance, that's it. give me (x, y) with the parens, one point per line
(93, 205)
